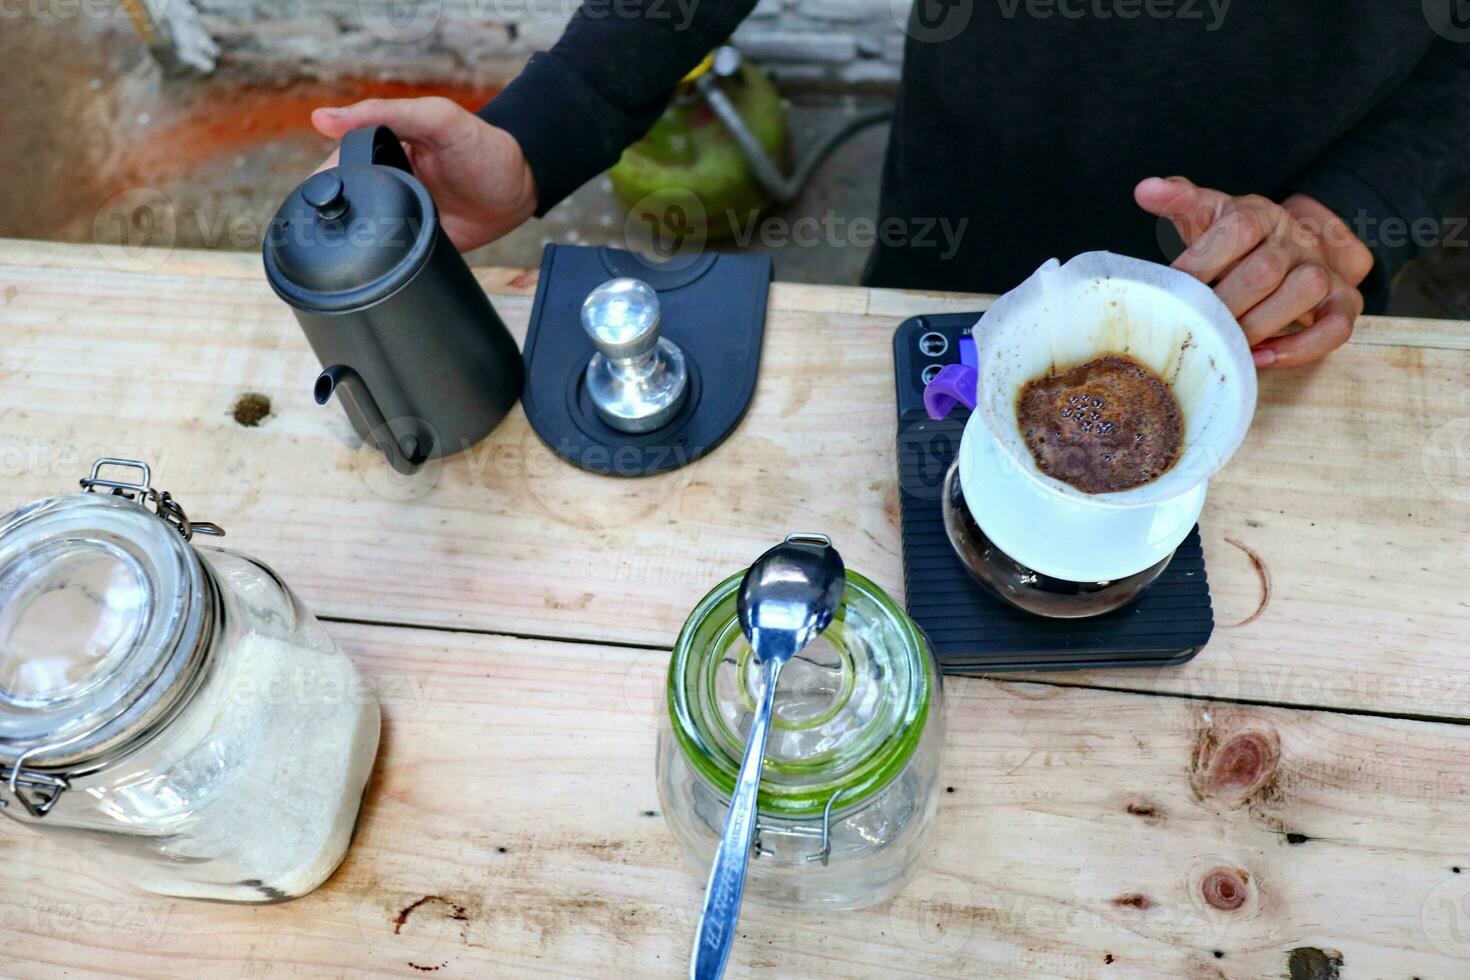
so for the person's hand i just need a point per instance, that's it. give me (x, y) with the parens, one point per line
(476, 173)
(1278, 267)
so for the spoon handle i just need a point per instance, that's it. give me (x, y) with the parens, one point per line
(727, 877)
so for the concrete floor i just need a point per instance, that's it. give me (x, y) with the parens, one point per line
(97, 144)
(101, 145)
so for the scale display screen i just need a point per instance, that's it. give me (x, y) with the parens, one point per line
(967, 353)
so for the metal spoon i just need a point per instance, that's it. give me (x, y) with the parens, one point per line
(788, 597)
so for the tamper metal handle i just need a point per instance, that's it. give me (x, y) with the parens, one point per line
(637, 381)
(621, 316)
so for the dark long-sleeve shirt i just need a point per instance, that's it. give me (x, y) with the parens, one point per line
(1031, 120)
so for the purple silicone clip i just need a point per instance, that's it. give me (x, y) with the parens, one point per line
(954, 385)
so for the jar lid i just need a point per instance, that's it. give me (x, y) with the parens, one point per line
(849, 709)
(96, 596)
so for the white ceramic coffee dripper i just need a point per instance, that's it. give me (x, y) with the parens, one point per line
(1064, 315)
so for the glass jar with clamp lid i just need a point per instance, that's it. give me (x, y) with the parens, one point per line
(171, 704)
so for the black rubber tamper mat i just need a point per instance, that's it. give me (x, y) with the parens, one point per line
(713, 307)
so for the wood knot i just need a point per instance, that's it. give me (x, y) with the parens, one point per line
(251, 408)
(1145, 810)
(1225, 889)
(1311, 963)
(1134, 901)
(1242, 767)
(1243, 763)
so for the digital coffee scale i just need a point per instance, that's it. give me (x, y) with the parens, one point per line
(973, 631)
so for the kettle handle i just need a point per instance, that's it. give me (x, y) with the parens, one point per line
(372, 145)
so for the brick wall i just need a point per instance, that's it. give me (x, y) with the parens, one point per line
(839, 44)
(827, 42)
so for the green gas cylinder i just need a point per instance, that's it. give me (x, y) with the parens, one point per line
(689, 175)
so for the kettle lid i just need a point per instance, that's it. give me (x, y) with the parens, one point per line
(352, 235)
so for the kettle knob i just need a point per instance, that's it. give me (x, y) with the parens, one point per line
(637, 380)
(324, 192)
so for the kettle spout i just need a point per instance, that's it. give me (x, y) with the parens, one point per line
(406, 454)
(328, 380)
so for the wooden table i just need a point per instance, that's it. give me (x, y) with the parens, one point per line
(1295, 802)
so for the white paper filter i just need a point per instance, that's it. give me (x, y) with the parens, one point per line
(1100, 303)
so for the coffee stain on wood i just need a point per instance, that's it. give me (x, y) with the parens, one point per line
(959, 912)
(605, 849)
(1407, 359)
(799, 398)
(455, 912)
(891, 512)
(554, 914)
(576, 604)
(1263, 573)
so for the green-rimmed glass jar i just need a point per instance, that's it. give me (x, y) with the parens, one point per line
(851, 773)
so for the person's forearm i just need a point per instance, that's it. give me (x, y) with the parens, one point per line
(1406, 163)
(575, 108)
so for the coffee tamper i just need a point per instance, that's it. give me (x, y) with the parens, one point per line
(637, 380)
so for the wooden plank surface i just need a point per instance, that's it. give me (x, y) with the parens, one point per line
(512, 825)
(1351, 497)
(512, 828)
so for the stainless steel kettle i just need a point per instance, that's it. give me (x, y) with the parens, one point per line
(423, 365)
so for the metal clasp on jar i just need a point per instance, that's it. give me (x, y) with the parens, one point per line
(164, 505)
(36, 791)
(824, 834)
(44, 788)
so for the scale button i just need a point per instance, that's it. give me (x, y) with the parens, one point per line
(933, 344)
(931, 372)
